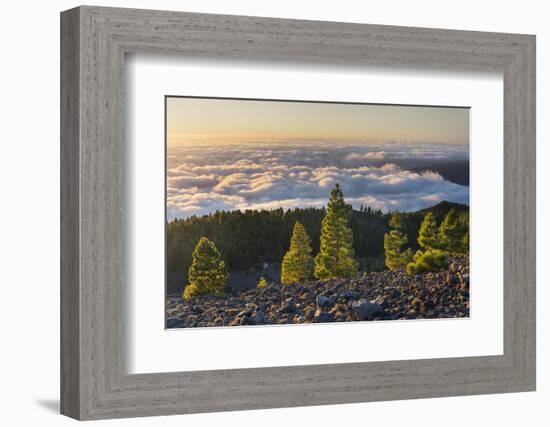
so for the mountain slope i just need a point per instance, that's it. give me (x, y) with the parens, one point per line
(251, 238)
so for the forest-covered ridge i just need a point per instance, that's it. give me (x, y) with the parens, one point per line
(247, 238)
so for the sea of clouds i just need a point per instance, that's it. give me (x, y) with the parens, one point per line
(204, 178)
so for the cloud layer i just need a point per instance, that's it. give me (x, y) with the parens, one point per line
(204, 178)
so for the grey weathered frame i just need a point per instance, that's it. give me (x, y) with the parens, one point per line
(94, 41)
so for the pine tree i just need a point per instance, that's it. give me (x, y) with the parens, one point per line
(336, 255)
(465, 220)
(207, 274)
(298, 261)
(429, 260)
(262, 283)
(428, 234)
(408, 256)
(394, 241)
(451, 233)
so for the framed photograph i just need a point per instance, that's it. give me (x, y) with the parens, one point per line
(290, 212)
(261, 213)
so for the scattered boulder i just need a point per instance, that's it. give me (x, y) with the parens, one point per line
(309, 313)
(288, 306)
(464, 280)
(323, 316)
(365, 310)
(174, 322)
(260, 318)
(322, 300)
(429, 305)
(248, 320)
(386, 295)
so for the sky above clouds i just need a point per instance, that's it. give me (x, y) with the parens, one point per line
(247, 165)
(229, 120)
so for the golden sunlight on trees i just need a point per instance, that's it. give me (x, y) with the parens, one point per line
(207, 274)
(427, 236)
(452, 237)
(262, 283)
(336, 256)
(394, 241)
(298, 261)
(452, 233)
(429, 260)
(434, 243)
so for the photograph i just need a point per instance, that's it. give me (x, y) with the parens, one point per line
(270, 210)
(284, 212)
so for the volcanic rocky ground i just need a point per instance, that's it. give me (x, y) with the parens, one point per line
(386, 295)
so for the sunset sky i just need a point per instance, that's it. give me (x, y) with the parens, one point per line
(238, 154)
(223, 120)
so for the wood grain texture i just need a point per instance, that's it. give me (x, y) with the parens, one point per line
(95, 383)
(70, 221)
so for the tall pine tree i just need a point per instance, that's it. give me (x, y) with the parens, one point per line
(298, 261)
(207, 274)
(336, 255)
(427, 236)
(451, 233)
(394, 241)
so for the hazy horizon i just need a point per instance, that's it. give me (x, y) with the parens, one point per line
(228, 155)
(231, 120)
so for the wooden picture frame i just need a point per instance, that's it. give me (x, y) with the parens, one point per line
(94, 382)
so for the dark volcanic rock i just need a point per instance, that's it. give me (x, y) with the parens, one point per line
(260, 318)
(322, 300)
(174, 322)
(323, 316)
(365, 310)
(288, 306)
(386, 295)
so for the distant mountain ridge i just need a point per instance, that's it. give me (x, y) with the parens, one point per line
(457, 171)
(442, 208)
